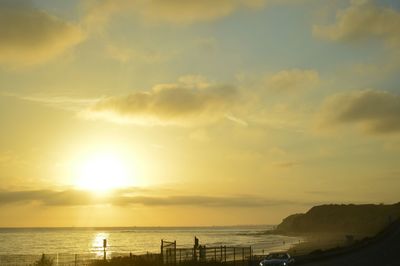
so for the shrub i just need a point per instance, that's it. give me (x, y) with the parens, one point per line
(44, 261)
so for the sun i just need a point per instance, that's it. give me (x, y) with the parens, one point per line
(102, 172)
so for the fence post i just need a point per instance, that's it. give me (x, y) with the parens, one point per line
(76, 260)
(161, 251)
(220, 258)
(225, 253)
(251, 256)
(234, 256)
(104, 248)
(175, 252)
(215, 254)
(243, 256)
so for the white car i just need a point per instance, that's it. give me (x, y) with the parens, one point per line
(277, 259)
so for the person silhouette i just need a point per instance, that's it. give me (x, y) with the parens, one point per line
(195, 247)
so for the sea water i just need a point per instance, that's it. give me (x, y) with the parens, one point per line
(137, 240)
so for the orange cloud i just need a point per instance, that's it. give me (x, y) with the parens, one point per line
(189, 101)
(30, 36)
(376, 112)
(173, 11)
(363, 20)
(122, 198)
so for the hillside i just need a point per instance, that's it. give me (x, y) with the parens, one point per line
(348, 219)
(382, 249)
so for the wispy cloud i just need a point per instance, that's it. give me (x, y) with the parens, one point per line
(59, 102)
(128, 54)
(286, 164)
(236, 120)
(6, 157)
(292, 81)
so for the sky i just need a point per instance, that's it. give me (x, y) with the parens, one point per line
(183, 113)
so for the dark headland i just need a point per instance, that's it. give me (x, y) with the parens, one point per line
(351, 219)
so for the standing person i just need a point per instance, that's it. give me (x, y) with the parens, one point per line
(196, 245)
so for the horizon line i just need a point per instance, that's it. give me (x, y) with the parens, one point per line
(133, 226)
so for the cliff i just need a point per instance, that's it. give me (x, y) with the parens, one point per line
(348, 219)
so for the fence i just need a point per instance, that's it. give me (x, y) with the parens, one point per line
(56, 259)
(170, 254)
(84, 259)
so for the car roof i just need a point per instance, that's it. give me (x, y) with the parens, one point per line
(279, 254)
(276, 253)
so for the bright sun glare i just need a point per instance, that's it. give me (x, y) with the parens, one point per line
(102, 172)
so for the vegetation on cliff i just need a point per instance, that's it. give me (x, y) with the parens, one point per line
(349, 219)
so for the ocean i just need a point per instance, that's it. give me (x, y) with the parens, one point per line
(138, 240)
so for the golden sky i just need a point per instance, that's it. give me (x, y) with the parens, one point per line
(189, 112)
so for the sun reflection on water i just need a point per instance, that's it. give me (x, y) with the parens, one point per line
(97, 244)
